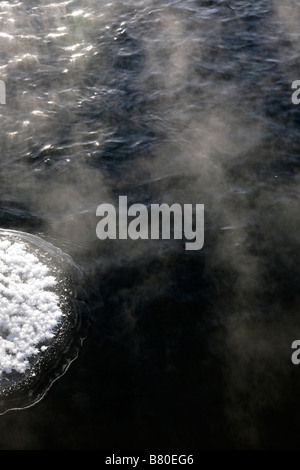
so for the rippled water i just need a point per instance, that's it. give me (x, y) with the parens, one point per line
(162, 101)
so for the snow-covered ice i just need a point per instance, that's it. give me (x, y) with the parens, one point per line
(29, 306)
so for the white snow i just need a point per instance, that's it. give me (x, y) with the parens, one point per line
(29, 310)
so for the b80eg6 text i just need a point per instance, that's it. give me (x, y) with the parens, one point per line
(171, 459)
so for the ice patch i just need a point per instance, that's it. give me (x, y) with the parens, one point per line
(29, 308)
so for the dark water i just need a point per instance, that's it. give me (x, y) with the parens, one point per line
(162, 101)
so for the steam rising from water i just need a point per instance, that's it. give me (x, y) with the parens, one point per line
(184, 102)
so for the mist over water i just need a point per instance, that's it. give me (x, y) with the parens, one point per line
(175, 102)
